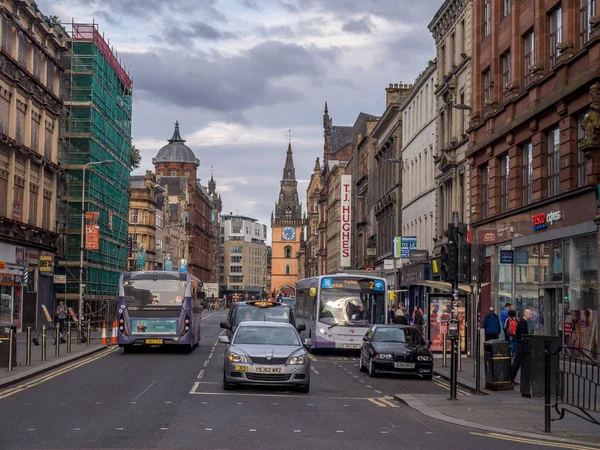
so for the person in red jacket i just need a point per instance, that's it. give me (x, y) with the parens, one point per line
(522, 330)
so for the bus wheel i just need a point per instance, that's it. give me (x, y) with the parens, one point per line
(128, 349)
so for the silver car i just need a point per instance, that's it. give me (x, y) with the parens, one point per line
(266, 353)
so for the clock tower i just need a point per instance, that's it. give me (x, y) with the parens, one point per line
(286, 228)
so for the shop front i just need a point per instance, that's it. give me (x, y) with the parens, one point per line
(546, 260)
(412, 278)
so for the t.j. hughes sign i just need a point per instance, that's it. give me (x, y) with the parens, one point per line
(346, 220)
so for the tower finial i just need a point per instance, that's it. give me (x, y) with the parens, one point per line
(290, 135)
(176, 136)
(326, 110)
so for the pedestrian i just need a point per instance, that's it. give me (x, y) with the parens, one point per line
(510, 329)
(391, 314)
(491, 325)
(61, 316)
(521, 330)
(400, 318)
(418, 319)
(504, 317)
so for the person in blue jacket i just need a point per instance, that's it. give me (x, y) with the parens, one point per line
(491, 325)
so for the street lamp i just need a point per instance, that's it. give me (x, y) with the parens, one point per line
(81, 245)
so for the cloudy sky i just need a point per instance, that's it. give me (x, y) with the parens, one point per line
(238, 74)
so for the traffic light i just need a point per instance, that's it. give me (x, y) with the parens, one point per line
(449, 262)
(464, 262)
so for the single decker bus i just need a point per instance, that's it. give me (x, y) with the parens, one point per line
(338, 309)
(158, 308)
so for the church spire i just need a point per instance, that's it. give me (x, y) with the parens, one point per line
(212, 185)
(289, 172)
(176, 136)
(317, 165)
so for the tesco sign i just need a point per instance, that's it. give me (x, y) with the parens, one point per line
(542, 220)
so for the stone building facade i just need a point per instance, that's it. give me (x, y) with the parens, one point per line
(311, 250)
(535, 143)
(451, 28)
(30, 109)
(143, 208)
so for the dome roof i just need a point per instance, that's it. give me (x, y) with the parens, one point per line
(176, 151)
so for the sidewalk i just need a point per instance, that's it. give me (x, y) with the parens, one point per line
(505, 412)
(22, 372)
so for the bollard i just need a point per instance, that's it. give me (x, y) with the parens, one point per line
(444, 362)
(459, 354)
(88, 343)
(547, 387)
(28, 348)
(11, 337)
(44, 343)
(69, 339)
(57, 341)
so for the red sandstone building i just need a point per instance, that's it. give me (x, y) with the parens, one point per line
(536, 75)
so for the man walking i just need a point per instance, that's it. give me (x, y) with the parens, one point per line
(491, 325)
(504, 317)
(61, 315)
(522, 330)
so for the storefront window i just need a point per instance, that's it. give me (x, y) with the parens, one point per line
(526, 278)
(581, 306)
(6, 304)
(504, 277)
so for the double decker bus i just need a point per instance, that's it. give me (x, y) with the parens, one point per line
(338, 309)
(159, 308)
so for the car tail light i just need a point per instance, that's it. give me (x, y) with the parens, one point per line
(186, 326)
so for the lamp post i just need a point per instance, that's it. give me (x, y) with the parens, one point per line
(81, 245)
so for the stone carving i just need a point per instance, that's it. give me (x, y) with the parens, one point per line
(591, 124)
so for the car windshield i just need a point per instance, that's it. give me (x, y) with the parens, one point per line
(247, 313)
(260, 335)
(351, 307)
(402, 335)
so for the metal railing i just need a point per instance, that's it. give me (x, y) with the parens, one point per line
(577, 384)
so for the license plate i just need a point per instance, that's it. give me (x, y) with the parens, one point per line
(269, 369)
(352, 346)
(241, 368)
(154, 341)
(400, 365)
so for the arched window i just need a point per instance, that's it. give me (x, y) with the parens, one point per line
(288, 269)
(288, 214)
(287, 252)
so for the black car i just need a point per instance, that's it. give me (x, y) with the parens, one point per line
(395, 349)
(261, 311)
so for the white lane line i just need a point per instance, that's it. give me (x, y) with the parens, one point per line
(346, 405)
(201, 374)
(76, 429)
(119, 429)
(208, 429)
(206, 362)
(98, 403)
(30, 429)
(378, 391)
(252, 429)
(133, 403)
(384, 432)
(205, 403)
(297, 431)
(339, 431)
(276, 403)
(314, 370)
(355, 376)
(369, 386)
(362, 381)
(145, 390)
(240, 403)
(193, 391)
(168, 403)
(164, 429)
(311, 404)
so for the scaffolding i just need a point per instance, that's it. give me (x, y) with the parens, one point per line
(96, 126)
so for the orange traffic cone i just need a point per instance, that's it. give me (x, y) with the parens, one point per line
(104, 338)
(113, 338)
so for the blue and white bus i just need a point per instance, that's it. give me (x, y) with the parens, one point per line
(158, 308)
(338, 309)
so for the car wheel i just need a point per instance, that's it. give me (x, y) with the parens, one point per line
(227, 386)
(371, 368)
(361, 365)
(305, 389)
(427, 377)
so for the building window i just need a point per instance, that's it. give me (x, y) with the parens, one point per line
(504, 171)
(35, 131)
(485, 192)
(315, 206)
(235, 269)
(527, 164)
(3, 193)
(48, 129)
(288, 214)
(23, 49)
(133, 216)
(288, 269)
(235, 279)
(587, 10)
(555, 34)
(287, 251)
(33, 204)
(6, 36)
(236, 249)
(529, 55)
(236, 230)
(506, 74)
(50, 75)
(46, 209)
(20, 132)
(37, 64)
(487, 9)
(236, 259)
(581, 176)
(506, 9)
(4, 112)
(553, 162)
(18, 196)
(462, 39)
(487, 90)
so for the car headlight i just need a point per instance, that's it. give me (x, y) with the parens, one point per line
(234, 357)
(384, 356)
(299, 359)
(424, 358)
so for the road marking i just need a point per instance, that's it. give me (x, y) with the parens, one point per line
(164, 429)
(378, 402)
(346, 405)
(369, 386)
(384, 402)
(378, 391)
(251, 429)
(194, 387)
(339, 431)
(201, 374)
(30, 429)
(311, 404)
(98, 403)
(76, 429)
(297, 431)
(133, 403)
(208, 429)
(314, 370)
(540, 442)
(384, 432)
(240, 403)
(168, 403)
(145, 390)
(447, 387)
(119, 429)
(56, 373)
(276, 403)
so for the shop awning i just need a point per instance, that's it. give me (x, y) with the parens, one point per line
(447, 287)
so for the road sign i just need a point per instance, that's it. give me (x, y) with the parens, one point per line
(419, 255)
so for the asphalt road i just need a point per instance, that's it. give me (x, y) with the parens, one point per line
(161, 399)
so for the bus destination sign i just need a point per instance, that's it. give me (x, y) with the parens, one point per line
(352, 283)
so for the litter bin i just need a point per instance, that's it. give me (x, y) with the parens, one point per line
(533, 365)
(496, 357)
(5, 328)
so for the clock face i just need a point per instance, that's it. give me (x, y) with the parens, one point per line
(288, 234)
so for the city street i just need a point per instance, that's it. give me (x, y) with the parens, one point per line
(174, 400)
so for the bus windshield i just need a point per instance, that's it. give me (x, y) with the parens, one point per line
(349, 307)
(148, 292)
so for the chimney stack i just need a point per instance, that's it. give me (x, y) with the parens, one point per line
(395, 92)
